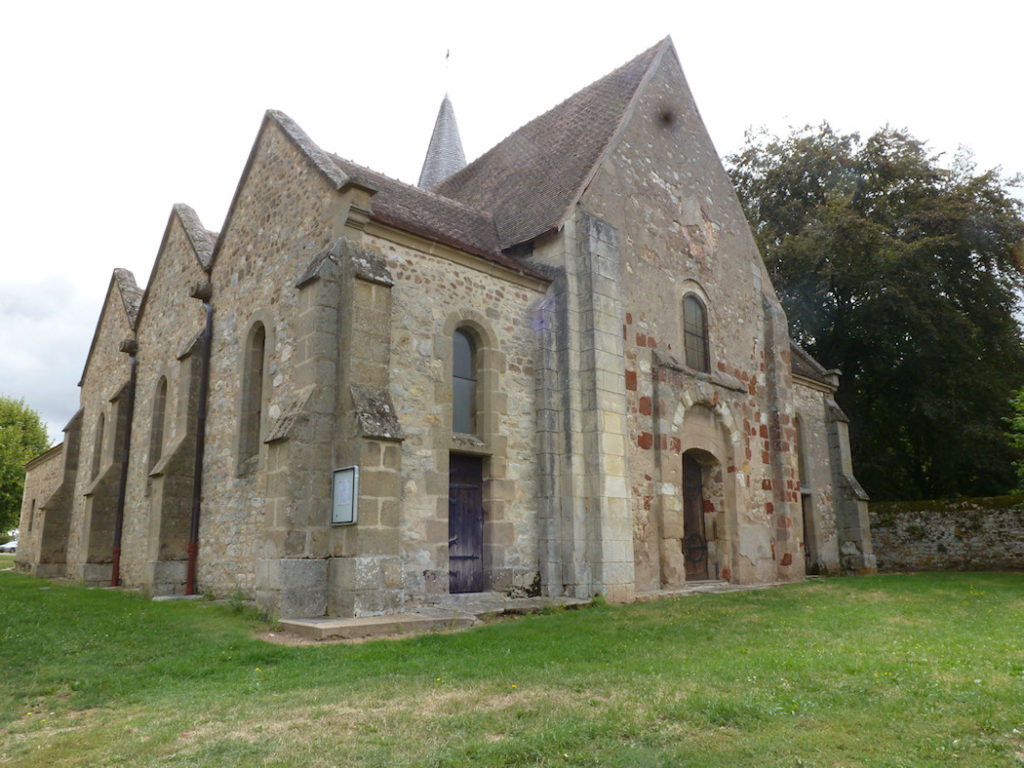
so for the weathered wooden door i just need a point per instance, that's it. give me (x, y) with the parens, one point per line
(465, 524)
(695, 545)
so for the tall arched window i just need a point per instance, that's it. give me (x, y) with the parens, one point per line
(156, 432)
(463, 383)
(97, 449)
(252, 393)
(695, 334)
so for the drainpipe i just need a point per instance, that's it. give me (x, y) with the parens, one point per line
(202, 292)
(131, 347)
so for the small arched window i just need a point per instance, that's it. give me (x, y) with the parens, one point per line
(97, 449)
(252, 392)
(695, 334)
(156, 432)
(463, 383)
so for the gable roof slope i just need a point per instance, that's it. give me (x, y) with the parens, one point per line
(531, 179)
(428, 215)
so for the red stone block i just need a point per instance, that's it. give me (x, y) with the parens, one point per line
(769, 508)
(787, 559)
(645, 441)
(766, 457)
(645, 406)
(631, 381)
(641, 340)
(766, 484)
(763, 430)
(676, 445)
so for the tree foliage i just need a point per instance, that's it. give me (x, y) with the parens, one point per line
(905, 275)
(1015, 434)
(22, 438)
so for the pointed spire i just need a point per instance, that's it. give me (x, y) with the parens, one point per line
(444, 155)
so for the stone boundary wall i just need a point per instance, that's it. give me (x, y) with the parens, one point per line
(962, 534)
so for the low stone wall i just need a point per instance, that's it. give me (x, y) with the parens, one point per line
(963, 534)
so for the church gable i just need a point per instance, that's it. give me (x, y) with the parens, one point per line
(116, 321)
(184, 259)
(286, 189)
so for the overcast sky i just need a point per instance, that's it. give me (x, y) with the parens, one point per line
(115, 111)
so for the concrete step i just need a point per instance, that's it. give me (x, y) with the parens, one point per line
(329, 628)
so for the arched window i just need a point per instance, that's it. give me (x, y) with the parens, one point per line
(156, 432)
(463, 383)
(695, 334)
(252, 393)
(97, 449)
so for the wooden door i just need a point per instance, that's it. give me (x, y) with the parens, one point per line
(695, 545)
(465, 524)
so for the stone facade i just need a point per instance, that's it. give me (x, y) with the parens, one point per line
(968, 534)
(545, 293)
(42, 477)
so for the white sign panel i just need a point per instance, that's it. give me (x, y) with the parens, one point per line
(345, 497)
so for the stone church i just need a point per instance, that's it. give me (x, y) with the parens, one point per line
(560, 369)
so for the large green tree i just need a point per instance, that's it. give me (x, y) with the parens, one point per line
(904, 273)
(22, 438)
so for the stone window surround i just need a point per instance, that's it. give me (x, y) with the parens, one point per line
(465, 411)
(158, 423)
(250, 448)
(99, 436)
(688, 332)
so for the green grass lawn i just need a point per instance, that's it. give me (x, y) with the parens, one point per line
(924, 670)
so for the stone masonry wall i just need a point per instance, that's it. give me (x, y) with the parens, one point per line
(170, 322)
(106, 374)
(682, 230)
(432, 296)
(42, 476)
(819, 533)
(280, 219)
(969, 534)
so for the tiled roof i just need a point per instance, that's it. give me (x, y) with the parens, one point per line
(444, 154)
(530, 180)
(431, 216)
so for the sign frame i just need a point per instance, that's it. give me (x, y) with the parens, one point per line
(345, 496)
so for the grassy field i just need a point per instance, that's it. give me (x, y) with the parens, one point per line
(924, 670)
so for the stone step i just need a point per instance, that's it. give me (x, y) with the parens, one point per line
(373, 626)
